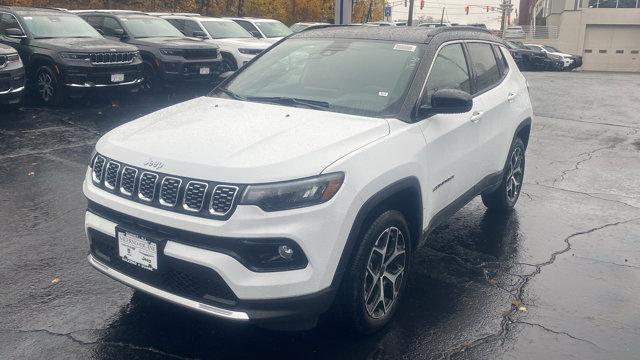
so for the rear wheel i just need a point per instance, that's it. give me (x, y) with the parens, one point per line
(375, 281)
(508, 192)
(48, 86)
(228, 63)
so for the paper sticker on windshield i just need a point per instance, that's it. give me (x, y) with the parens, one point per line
(404, 47)
(383, 93)
(28, 18)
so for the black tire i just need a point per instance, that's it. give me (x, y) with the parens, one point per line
(151, 83)
(505, 197)
(351, 307)
(48, 87)
(228, 63)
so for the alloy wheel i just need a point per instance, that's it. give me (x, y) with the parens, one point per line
(514, 176)
(45, 86)
(384, 272)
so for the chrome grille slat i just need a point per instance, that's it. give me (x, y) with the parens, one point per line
(169, 191)
(194, 196)
(111, 176)
(222, 199)
(147, 186)
(98, 168)
(112, 58)
(128, 180)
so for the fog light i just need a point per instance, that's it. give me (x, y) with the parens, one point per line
(285, 252)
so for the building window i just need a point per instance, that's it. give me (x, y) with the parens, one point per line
(620, 4)
(619, 51)
(602, 51)
(634, 51)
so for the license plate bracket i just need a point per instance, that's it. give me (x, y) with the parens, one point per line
(116, 78)
(137, 250)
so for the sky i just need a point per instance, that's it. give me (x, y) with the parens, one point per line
(454, 11)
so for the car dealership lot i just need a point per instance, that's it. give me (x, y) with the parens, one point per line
(559, 277)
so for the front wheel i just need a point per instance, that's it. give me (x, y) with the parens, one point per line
(375, 282)
(508, 192)
(48, 86)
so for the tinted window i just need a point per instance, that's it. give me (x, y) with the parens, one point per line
(95, 21)
(449, 71)
(178, 24)
(484, 63)
(504, 66)
(7, 21)
(247, 26)
(190, 26)
(111, 27)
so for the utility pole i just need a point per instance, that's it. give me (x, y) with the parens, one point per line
(410, 17)
(506, 8)
(442, 16)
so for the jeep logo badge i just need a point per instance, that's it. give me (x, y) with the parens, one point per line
(154, 164)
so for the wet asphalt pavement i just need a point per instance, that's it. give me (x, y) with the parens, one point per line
(558, 278)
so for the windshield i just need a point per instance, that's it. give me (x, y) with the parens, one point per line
(513, 45)
(273, 29)
(363, 77)
(140, 27)
(299, 27)
(59, 26)
(550, 48)
(225, 29)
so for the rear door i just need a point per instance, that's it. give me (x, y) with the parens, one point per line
(451, 139)
(494, 96)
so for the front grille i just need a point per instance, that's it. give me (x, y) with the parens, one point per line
(194, 196)
(98, 168)
(222, 199)
(5, 82)
(147, 188)
(179, 194)
(112, 57)
(178, 277)
(111, 177)
(200, 53)
(169, 191)
(128, 180)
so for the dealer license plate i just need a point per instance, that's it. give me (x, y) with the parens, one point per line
(116, 78)
(204, 71)
(137, 250)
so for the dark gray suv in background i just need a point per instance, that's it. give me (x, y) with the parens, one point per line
(168, 55)
(11, 75)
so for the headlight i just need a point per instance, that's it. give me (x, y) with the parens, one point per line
(136, 56)
(250, 51)
(75, 56)
(171, 52)
(293, 194)
(13, 58)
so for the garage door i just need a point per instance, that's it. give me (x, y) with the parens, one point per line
(612, 48)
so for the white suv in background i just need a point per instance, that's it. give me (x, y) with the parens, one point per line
(305, 181)
(237, 46)
(266, 29)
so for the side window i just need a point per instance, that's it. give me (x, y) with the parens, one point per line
(190, 26)
(111, 27)
(8, 21)
(449, 71)
(247, 26)
(95, 21)
(502, 62)
(178, 24)
(485, 65)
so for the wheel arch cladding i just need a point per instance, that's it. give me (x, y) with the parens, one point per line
(404, 195)
(523, 131)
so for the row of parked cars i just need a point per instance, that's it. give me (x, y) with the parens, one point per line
(542, 57)
(67, 53)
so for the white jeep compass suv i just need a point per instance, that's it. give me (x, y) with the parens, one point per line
(307, 179)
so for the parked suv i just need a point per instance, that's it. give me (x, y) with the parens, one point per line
(64, 55)
(266, 29)
(11, 75)
(237, 46)
(532, 58)
(309, 177)
(569, 61)
(168, 55)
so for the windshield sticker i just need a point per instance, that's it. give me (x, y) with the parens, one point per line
(383, 93)
(28, 18)
(404, 47)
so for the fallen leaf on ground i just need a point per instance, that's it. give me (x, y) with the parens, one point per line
(55, 280)
(31, 173)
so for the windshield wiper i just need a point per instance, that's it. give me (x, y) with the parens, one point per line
(283, 100)
(232, 94)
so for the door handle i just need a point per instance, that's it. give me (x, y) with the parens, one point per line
(477, 116)
(511, 96)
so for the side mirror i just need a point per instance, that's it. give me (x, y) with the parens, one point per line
(15, 33)
(256, 34)
(120, 33)
(199, 34)
(448, 101)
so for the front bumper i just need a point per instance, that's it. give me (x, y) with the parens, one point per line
(12, 82)
(88, 77)
(190, 70)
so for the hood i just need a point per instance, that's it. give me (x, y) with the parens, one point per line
(561, 54)
(240, 142)
(272, 40)
(172, 42)
(5, 50)
(250, 43)
(83, 44)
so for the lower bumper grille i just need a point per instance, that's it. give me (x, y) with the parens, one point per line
(185, 279)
